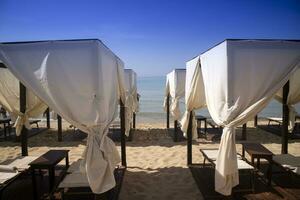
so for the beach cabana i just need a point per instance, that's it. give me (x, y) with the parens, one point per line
(82, 81)
(132, 104)
(194, 99)
(174, 91)
(240, 78)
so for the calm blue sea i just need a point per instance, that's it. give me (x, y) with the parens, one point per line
(152, 90)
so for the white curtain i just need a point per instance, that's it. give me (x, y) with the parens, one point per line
(240, 78)
(194, 94)
(293, 97)
(10, 100)
(175, 87)
(131, 97)
(82, 81)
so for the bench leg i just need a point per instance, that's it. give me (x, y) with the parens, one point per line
(34, 190)
(205, 129)
(4, 129)
(269, 172)
(258, 163)
(252, 174)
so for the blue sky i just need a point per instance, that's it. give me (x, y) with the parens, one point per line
(152, 37)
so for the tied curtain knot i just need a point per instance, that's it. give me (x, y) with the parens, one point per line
(22, 120)
(165, 103)
(226, 173)
(292, 116)
(185, 123)
(99, 159)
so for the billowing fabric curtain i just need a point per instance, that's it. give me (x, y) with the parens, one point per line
(293, 97)
(240, 79)
(175, 87)
(83, 82)
(131, 97)
(10, 100)
(194, 94)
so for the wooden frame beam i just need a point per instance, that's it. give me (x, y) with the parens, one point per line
(123, 136)
(175, 131)
(133, 120)
(59, 128)
(189, 140)
(255, 121)
(244, 132)
(168, 111)
(24, 139)
(48, 117)
(285, 119)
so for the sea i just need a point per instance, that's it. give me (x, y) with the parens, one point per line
(152, 91)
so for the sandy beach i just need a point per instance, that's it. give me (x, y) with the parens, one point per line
(156, 165)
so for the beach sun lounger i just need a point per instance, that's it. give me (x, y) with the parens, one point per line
(18, 165)
(10, 172)
(75, 185)
(21, 164)
(211, 156)
(288, 162)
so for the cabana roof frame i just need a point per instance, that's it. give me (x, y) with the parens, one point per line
(66, 40)
(236, 39)
(100, 180)
(228, 63)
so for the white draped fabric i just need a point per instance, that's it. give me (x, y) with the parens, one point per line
(240, 79)
(131, 97)
(10, 100)
(293, 97)
(175, 87)
(82, 81)
(194, 94)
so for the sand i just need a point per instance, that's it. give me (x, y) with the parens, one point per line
(156, 165)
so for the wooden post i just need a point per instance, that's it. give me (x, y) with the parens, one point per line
(59, 128)
(189, 140)
(133, 120)
(24, 143)
(244, 132)
(285, 119)
(175, 131)
(168, 111)
(255, 121)
(123, 138)
(48, 117)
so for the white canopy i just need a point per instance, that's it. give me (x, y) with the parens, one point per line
(132, 104)
(293, 97)
(240, 78)
(81, 80)
(175, 85)
(194, 94)
(10, 100)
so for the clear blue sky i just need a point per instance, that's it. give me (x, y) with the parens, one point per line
(150, 36)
